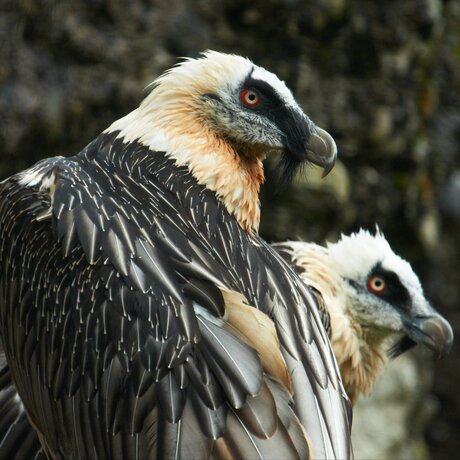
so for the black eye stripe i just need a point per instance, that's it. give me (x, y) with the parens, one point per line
(294, 127)
(395, 292)
(269, 95)
(272, 106)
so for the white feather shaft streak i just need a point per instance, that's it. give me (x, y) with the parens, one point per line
(146, 251)
(242, 370)
(248, 434)
(306, 407)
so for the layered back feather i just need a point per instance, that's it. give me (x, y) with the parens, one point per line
(123, 284)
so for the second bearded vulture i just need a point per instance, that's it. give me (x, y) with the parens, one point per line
(141, 315)
(372, 303)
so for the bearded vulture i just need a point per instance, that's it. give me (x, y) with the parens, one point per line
(367, 303)
(141, 315)
(369, 297)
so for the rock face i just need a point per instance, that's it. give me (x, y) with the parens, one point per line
(390, 422)
(382, 77)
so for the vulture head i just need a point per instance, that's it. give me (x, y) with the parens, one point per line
(372, 304)
(254, 111)
(385, 296)
(220, 115)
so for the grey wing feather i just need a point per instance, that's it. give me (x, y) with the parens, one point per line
(18, 440)
(241, 442)
(111, 289)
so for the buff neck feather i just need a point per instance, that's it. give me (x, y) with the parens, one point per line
(360, 355)
(177, 121)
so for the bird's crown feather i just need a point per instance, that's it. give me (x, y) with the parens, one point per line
(356, 254)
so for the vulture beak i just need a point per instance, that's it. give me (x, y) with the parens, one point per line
(304, 141)
(322, 150)
(433, 331)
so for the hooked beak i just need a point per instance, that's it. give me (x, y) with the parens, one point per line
(304, 142)
(322, 150)
(432, 331)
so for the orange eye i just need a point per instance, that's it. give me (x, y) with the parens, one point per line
(250, 98)
(376, 284)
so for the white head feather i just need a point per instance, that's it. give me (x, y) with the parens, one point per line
(362, 322)
(355, 255)
(176, 118)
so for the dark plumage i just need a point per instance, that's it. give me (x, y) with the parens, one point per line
(125, 271)
(18, 439)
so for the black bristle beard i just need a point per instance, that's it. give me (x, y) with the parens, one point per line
(286, 169)
(400, 347)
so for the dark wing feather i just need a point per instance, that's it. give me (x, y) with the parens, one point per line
(286, 440)
(239, 362)
(18, 440)
(212, 422)
(111, 264)
(185, 439)
(259, 414)
(287, 253)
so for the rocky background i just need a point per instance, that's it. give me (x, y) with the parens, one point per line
(382, 77)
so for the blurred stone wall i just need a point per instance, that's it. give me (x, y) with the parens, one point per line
(382, 77)
(390, 423)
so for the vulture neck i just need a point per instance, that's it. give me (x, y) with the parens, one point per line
(360, 354)
(177, 129)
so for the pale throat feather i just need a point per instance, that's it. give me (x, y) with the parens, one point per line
(360, 358)
(174, 121)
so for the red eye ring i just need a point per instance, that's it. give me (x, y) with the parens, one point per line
(250, 98)
(376, 284)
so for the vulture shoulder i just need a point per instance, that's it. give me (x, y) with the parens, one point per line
(123, 284)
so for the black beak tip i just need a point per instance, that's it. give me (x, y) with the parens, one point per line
(322, 150)
(443, 337)
(328, 168)
(435, 333)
